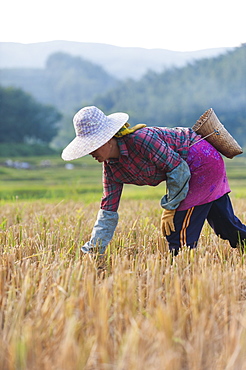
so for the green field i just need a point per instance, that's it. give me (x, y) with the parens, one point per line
(83, 182)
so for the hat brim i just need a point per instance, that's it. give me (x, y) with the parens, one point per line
(83, 145)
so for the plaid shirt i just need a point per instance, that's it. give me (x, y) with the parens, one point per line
(145, 157)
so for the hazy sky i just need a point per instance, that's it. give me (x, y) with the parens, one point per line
(182, 25)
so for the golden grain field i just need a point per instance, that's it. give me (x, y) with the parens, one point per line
(136, 309)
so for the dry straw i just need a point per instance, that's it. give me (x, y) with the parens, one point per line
(211, 129)
(138, 308)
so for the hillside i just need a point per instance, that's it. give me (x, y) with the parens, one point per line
(121, 62)
(179, 96)
(65, 81)
(174, 97)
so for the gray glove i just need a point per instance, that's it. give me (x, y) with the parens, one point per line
(102, 232)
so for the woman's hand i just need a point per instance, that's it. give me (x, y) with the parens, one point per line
(167, 224)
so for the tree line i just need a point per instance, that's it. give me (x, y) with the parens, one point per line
(23, 120)
(177, 97)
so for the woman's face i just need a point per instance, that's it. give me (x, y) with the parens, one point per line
(102, 153)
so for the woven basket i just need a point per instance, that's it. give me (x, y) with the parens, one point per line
(211, 129)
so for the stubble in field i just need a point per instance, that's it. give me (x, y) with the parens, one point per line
(137, 308)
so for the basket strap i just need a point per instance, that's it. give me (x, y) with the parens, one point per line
(217, 132)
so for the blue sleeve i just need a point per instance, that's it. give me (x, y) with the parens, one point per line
(102, 232)
(177, 186)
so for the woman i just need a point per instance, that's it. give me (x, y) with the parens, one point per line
(194, 171)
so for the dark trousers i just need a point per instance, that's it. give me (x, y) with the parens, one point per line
(220, 216)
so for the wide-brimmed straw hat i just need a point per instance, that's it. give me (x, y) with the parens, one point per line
(93, 129)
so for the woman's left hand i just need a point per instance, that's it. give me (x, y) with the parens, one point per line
(167, 224)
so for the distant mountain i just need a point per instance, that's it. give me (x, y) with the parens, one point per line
(65, 82)
(121, 62)
(178, 96)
